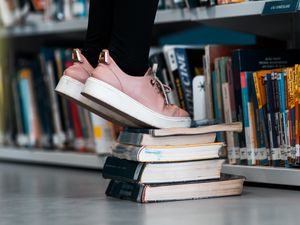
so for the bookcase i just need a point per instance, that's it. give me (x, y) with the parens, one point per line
(245, 17)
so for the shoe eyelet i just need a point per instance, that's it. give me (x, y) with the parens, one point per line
(152, 82)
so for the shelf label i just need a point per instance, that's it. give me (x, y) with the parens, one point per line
(278, 7)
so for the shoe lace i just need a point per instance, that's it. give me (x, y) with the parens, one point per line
(162, 88)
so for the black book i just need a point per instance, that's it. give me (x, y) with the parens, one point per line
(227, 185)
(132, 171)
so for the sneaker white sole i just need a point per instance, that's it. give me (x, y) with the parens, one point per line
(71, 89)
(105, 94)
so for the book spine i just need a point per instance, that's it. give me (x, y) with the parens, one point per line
(79, 143)
(121, 169)
(208, 84)
(283, 120)
(179, 3)
(275, 150)
(192, 3)
(185, 78)
(199, 101)
(23, 88)
(103, 134)
(261, 154)
(288, 115)
(124, 190)
(261, 122)
(219, 110)
(247, 118)
(277, 124)
(236, 68)
(297, 97)
(174, 75)
(233, 109)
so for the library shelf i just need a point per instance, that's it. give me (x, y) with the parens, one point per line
(52, 157)
(265, 175)
(241, 16)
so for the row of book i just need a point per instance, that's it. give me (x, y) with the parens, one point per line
(207, 82)
(39, 117)
(150, 165)
(271, 115)
(250, 86)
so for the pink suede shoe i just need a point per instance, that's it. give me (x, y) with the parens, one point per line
(72, 82)
(140, 98)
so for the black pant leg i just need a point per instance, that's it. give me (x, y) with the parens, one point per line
(131, 34)
(99, 29)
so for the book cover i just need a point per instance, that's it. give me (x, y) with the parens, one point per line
(190, 64)
(169, 53)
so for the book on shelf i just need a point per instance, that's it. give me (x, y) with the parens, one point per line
(170, 172)
(226, 186)
(251, 62)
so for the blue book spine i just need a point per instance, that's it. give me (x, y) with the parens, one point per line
(25, 104)
(283, 117)
(244, 78)
(186, 78)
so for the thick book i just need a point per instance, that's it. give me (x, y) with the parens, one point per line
(227, 185)
(169, 153)
(235, 127)
(132, 171)
(133, 138)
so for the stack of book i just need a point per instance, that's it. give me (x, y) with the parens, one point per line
(170, 164)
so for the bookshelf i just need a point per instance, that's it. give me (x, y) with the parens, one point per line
(244, 17)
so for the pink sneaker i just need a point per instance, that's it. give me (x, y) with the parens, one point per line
(72, 82)
(140, 98)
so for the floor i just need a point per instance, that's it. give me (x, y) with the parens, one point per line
(37, 195)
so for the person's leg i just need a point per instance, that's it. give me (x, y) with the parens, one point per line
(130, 38)
(99, 29)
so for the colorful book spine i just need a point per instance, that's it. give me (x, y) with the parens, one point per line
(261, 154)
(283, 117)
(297, 98)
(185, 78)
(244, 77)
(274, 146)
